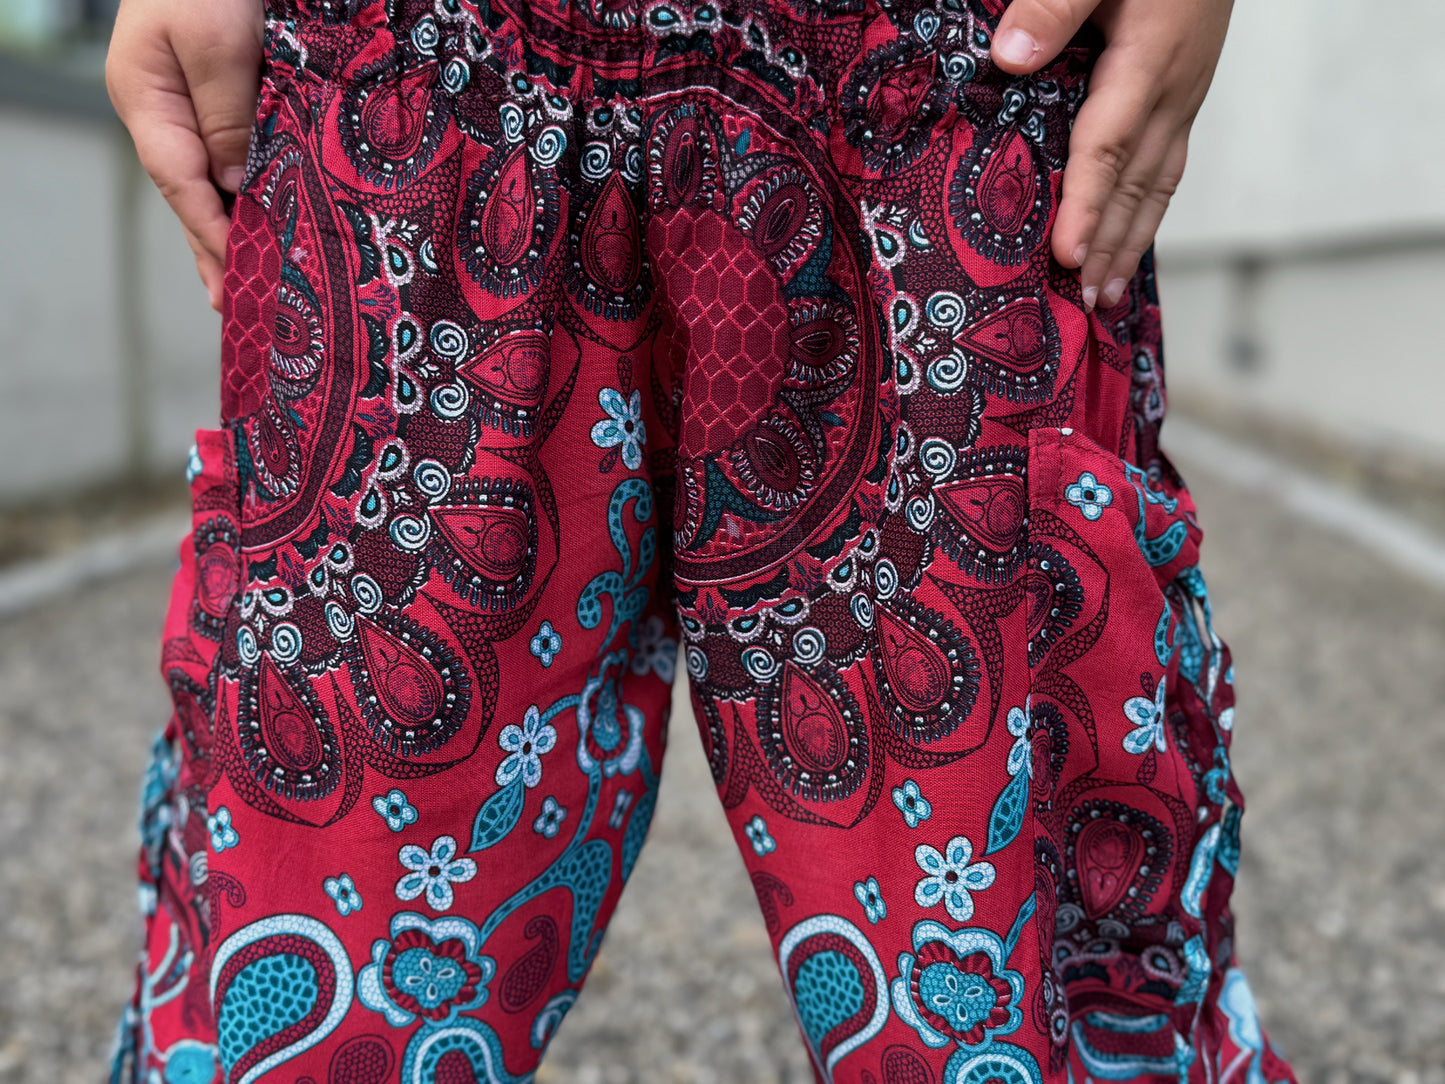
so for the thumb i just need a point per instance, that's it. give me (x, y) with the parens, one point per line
(1033, 32)
(223, 83)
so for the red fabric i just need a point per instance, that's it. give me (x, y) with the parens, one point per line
(570, 345)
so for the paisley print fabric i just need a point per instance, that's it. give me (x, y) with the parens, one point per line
(572, 344)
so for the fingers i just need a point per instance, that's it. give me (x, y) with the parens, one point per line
(223, 81)
(150, 95)
(168, 141)
(1139, 234)
(1105, 137)
(1133, 192)
(183, 78)
(211, 270)
(1033, 32)
(1129, 142)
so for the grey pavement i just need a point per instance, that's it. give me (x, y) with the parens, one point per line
(1339, 744)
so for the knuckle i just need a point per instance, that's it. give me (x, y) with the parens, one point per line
(1132, 191)
(1110, 156)
(1165, 187)
(1050, 18)
(233, 135)
(168, 186)
(1102, 250)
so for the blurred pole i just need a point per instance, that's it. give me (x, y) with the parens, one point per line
(130, 278)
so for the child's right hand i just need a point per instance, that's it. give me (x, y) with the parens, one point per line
(183, 75)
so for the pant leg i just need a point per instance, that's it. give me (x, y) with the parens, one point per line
(420, 655)
(939, 591)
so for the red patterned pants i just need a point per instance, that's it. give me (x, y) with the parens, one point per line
(572, 343)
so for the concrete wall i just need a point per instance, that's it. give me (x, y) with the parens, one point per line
(1348, 349)
(1324, 122)
(1310, 228)
(67, 415)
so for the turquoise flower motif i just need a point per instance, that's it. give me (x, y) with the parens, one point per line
(394, 808)
(194, 466)
(608, 725)
(1089, 496)
(431, 970)
(950, 878)
(546, 644)
(622, 428)
(871, 897)
(343, 893)
(757, 832)
(1148, 718)
(433, 872)
(222, 834)
(549, 821)
(956, 986)
(1020, 756)
(620, 806)
(656, 651)
(912, 804)
(525, 744)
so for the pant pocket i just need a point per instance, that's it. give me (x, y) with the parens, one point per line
(1129, 711)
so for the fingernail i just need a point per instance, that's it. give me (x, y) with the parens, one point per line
(1080, 255)
(1015, 47)
(1091, 294)
(1113, 291)
(231, 178)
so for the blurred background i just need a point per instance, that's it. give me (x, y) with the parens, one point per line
(1303, 275)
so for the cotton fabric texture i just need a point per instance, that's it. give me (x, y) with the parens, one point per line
(572, 344)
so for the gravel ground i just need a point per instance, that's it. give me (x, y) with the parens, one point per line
(1341, 897)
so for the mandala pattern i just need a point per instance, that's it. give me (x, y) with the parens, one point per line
(566, 342)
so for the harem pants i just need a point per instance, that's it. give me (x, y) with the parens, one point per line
(570, 344)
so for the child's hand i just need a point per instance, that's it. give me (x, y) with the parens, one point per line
(1126, 154)
(183, 76)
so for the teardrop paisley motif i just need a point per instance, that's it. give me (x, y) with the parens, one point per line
(278, 986)
(512, 372)
(392, 123)
(999, 198)
(1015, 350)
(837, 985)
(509, 219)
(1117, 858)
(927, 672)
(286, 737)
(487, 549)
(528, 977)
(681, 159)
(813, 735)
(509, 215)
(611, 241)
(413, 692)
(1007, 188)
(985, 513)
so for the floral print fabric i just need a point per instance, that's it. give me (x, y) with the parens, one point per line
(570, 345)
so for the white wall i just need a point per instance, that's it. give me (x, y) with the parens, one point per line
(1350, 349)
(62, 358)
(1319, 154)
(1326, 125)
(1326, 119)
